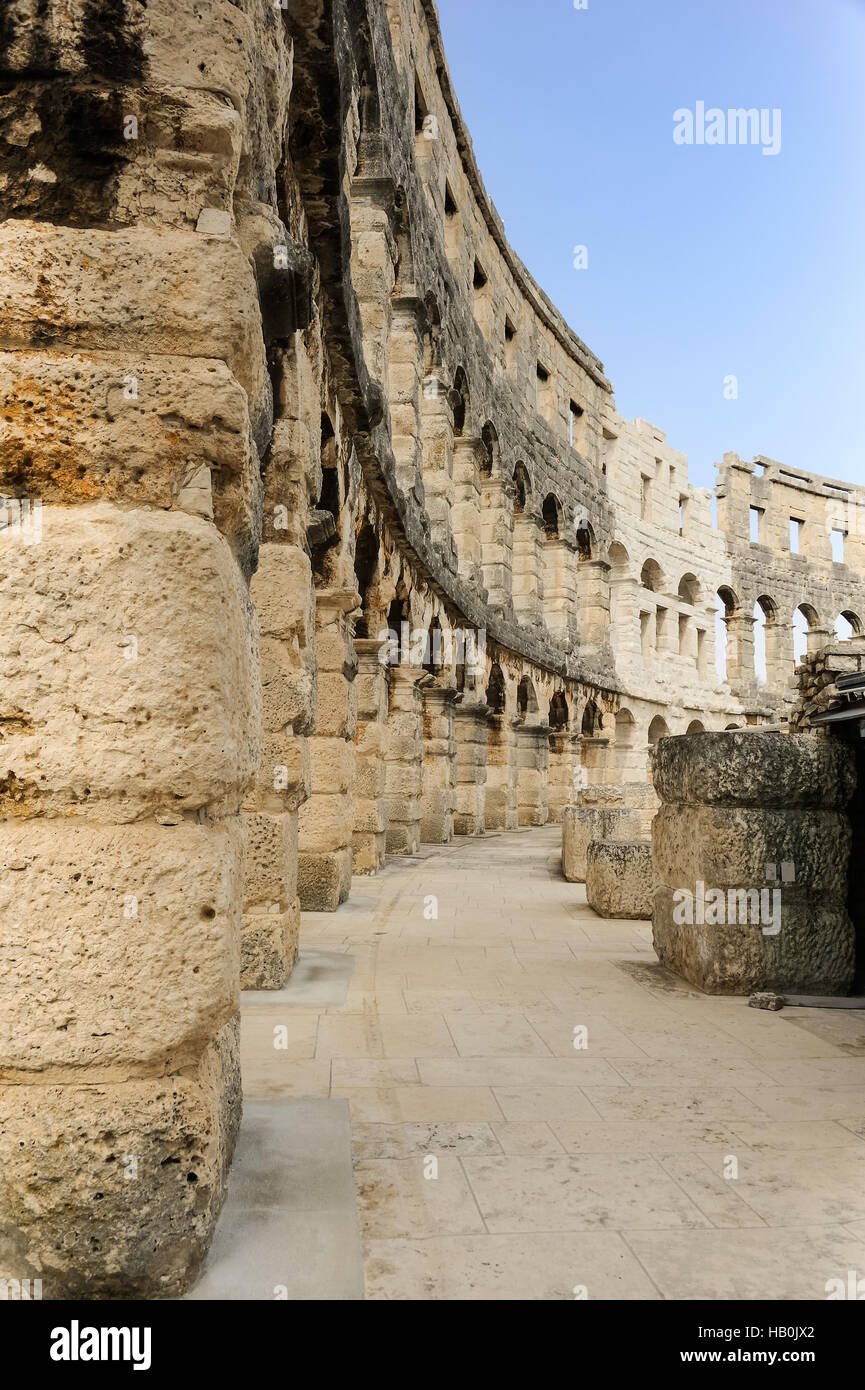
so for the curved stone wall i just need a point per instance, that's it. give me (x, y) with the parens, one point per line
(274, 386)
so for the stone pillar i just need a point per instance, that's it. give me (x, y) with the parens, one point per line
(500, 806)
(405, 758)
(438, 788)
(564, 759)
(130, 707)
(740, 654)
(436, 427)
(496, 542)
(560, 588)
(327, 820)
(593, 602)
(625, 620)
(532, 760)
(465, 517)
(470, 736)
(369, 790)
(751, 847)
(283, 594)
(527, 583)
(405, 369)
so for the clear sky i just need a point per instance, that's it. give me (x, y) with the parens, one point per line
(704, 261)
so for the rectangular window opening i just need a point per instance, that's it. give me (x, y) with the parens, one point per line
(796, 528)
(838, 540)
(756, 524)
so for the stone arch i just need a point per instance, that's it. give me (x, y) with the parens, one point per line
(696, 726)
(461, 403)
(729, 600)
(726, 607)
(559, 714)
(658, 729)
(592, 721)
(652, 576)
(765, 641)
(551, 514)
(847, 625)
(620, 561)
(522, 489)
(366, 557)
(496, 692)
(586, 545)
(689, 589)
(527, 700)
(805, 621)
(491, 459)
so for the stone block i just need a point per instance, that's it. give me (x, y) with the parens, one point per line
(113, 1191)
(324, 879)
(119, 946)
(128, 668)
(743, 851)
(754, 769)
(269, 943)
(619, 878)
(582, 824)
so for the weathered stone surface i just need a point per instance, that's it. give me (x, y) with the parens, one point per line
(753, 769)
(129, 668)
(780, 872)
(114, 1190)
(91, 427)
(118, 946)
(619, 878)
(583, 824)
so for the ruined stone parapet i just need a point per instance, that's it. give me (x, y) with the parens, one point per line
(751, 848)
(619, 878)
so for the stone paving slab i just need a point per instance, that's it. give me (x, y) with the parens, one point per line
(289, 1229)
(494, 1160)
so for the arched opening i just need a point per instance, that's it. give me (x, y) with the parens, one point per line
(847, 626)
(804, 619)
(725, 608)
(527, 702)
(434, 654)
(328, 500)
(585, 537)
(558, 711)
(657, 729)
(620, 560)
(764, 618)
(551, 513)
(689, 590)
(496, 695)
(365, 565)
(651, 577)
(522, 489)
(460, 402)
(592, 722)
(490, 457)
(695, 727)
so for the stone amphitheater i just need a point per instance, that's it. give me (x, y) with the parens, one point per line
(324, 542)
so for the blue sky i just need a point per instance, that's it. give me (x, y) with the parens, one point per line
(704, 262)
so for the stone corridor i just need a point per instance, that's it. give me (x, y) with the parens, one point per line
(562, 1173)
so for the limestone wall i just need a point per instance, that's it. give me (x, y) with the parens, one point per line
(275, 386)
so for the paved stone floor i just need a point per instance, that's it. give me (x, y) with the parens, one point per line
(603, 1168)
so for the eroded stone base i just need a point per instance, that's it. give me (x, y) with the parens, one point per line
(114, 1191)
